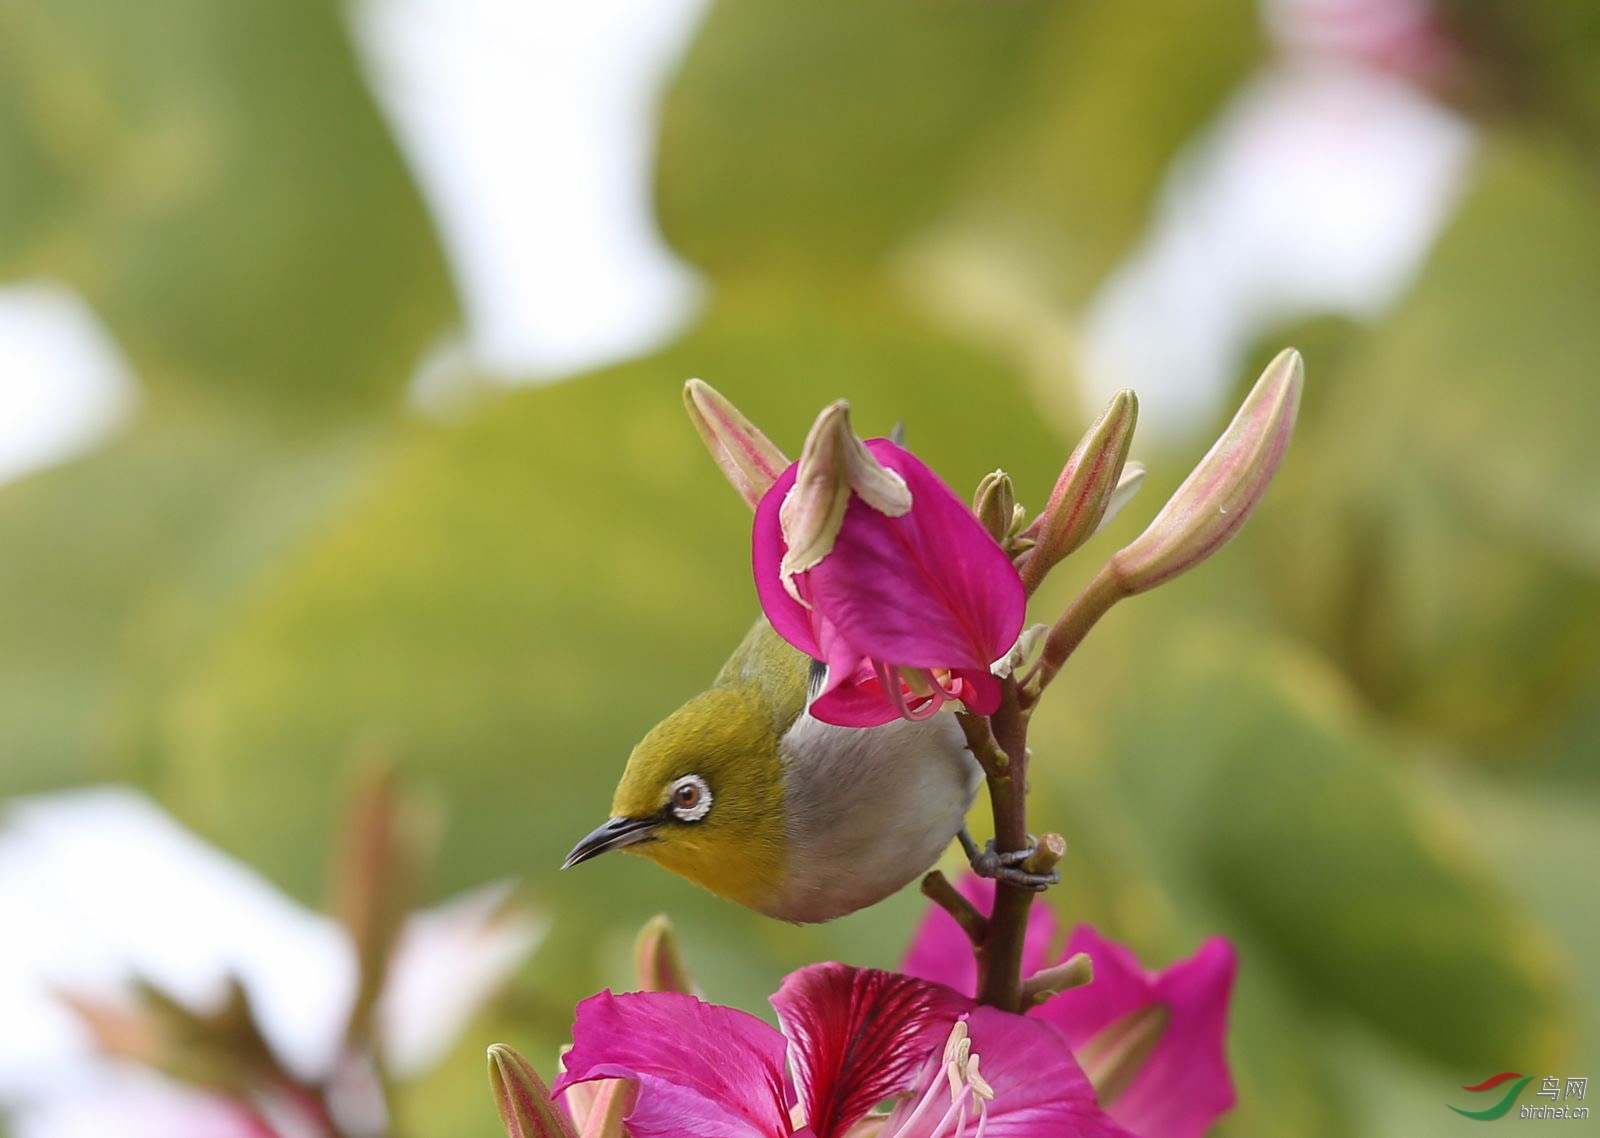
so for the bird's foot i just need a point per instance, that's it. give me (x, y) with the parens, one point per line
(1007, 866)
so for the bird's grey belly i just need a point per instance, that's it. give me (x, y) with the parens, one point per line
(868, 810)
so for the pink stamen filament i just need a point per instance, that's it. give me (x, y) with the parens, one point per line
(924, 1105)
(957, 1112)
(894, 687)
(983, 1118)
(947, 683)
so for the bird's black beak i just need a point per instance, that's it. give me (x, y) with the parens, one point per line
(615, 834)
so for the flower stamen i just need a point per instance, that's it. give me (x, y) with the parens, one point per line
(970, 1092)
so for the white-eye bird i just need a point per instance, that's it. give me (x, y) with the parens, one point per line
(744, 793)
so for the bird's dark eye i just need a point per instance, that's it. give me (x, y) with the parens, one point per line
(690, 798)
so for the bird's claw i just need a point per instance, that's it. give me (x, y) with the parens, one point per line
(1006, 865)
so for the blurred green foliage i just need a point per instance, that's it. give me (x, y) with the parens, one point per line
(1360, 742)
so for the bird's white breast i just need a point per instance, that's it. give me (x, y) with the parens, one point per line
(868, 809)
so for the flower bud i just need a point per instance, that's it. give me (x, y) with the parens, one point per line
(747, 457)
(995, 504)
(522, 1098)
(1220, 493)
(1084, 491)
(657, 961)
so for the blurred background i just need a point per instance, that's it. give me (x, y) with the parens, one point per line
(353, 531)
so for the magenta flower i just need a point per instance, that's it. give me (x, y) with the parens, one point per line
(866, 561)
(853, 1037)
(1152, 1043)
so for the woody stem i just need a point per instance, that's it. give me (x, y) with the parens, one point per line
(936, 887)
(999, 954)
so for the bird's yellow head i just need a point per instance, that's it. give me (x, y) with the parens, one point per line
(702, 795)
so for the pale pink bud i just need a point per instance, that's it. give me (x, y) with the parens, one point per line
(657, 962)
(522, 1098)
(747, 457)
(1220, 493)
(1085, 490)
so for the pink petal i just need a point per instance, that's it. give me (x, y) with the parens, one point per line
(788, 617)
(858, 1036)
(1120, 986)
(981, 690)
(929, 589)
(704, 1071)
(854, 697)
(855, 705)
(1039, 1088)
(941, 952)
(1185, 1083)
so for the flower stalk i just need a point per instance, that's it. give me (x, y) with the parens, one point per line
(1000, 954)
(936, 887)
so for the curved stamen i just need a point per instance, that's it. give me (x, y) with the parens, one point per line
(894, 688)
(946, 682)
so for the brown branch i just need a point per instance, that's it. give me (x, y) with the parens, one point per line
(937, 888)
(981, 742)
(1000, 955)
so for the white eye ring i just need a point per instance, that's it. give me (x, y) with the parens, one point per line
(690, 798)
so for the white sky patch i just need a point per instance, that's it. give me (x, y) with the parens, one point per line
(100, 886)
(1320, 190)
(530, 126)
(65, 385)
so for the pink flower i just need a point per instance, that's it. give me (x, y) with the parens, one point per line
(866, 561)
(1153, 1043)
(853, 1037)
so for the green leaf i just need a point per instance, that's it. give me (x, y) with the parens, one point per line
(218, 183)
(121, 566)
(818, 134)
(1444, 540)
(1068, 179)
(1265, 793)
